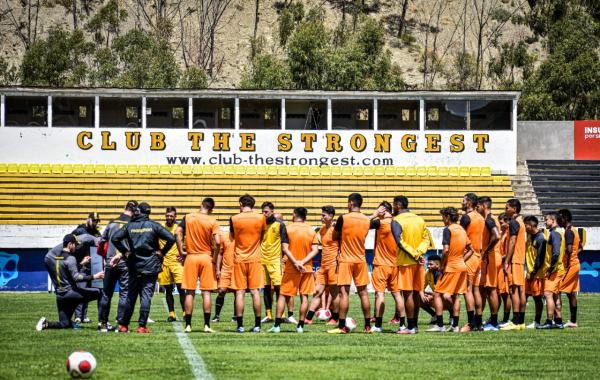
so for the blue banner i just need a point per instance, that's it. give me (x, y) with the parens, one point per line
(23, 269)
(589, 274)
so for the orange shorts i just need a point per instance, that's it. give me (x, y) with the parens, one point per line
(198, 266)
(552, 283)
(516, 275)
(534, 287)
(570, 283)
(473, 268)
(452, 283)
(293, 283)
(225, 280)
(247, 276)
(502, 281)
(385, 277)
(411, 277)
(359, 272)
(327, 276)
(489, 272)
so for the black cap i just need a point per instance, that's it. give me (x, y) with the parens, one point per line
(144, 208)
(94, 216)
(131, 205)
(70, 238)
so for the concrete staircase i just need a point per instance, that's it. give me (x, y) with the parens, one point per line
(523, 188)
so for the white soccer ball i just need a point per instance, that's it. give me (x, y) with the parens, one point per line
(323, 314)
(350, 323)
(81, 365)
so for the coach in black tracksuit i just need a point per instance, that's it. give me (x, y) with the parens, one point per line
(144, 261)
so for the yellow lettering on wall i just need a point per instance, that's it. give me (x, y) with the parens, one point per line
(132, 140)
(433, 143)
(308, 139)
(481, 140)
(409, 143)
(285, 145)
(358, 143)
(221, 142)
(457, 143)
(81, 140)
(195, 138)
(157, 141)
(333, 143)
(106, 143)
(382, 142)
(247, 144)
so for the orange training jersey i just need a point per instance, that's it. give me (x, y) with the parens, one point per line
(199, 230)
(572, 237)
(386, 249)
(474, 224)
(228, 247)
(490, 222)
(517, 228)
(330, 247)
(247, 228)
(353, 228)
(456, 238)
(301, 238)
(503, 243)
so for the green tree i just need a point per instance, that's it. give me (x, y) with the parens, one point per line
(267, 72)
(106, 22)
(193, 77)
(512, 59)
(307, 52)
(9, 74)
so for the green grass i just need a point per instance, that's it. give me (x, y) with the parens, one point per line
(25, 353)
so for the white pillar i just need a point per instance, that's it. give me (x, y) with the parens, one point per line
(143, 112)
(236, 114)
(2, 111)
(375, 115)
(49, 115)
(421, 114)
(283, 114)
(96, 112)
(514, 125)
(190, 113)
(329, 115)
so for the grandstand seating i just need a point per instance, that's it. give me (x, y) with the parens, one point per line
(64, 195)
(568, 184)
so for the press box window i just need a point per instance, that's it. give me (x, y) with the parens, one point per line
(213, 113)
(446, 115)
(490, 114)
(26, 111)
(120, 112)
(398, 114)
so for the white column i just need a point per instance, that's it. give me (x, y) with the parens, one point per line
(2, 111)
(49, 115)
(422, 115)
(514, 125)
(329, 116)
(190, 113)
(283, 114)
(143, 112)
(375, 115)
(236, 114)
(96, 112)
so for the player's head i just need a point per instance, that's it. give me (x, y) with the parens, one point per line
(170, 215)
(449, 215)
(268, 209)
(300, 214)
(208, 204)
(469, 201)
(70, 242)
(144, 208)
(355, 200)
(327, 214)
(484, 204)
(503, 220)
(531, 224)
(400, 203)
(551, 219)
(130, 207)
(247, 200)
(513, 207)
(434, 262)
(565, 217)
(93, 219)
(387, 206)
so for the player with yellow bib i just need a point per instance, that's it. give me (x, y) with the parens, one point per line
(172, 268)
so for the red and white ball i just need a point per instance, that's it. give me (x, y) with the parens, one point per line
(81, 365)
(323, 314)
(350, 323)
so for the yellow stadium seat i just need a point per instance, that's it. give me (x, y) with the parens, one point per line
(293, 170)
(304, 171)
(132, 169)
(336, 170)
(198, 169)
(325, 171)
(121, 169)
(208, 170)
(486, 171)
(442, 171)
(251, 170)
(154, 169)
(88, 169)
(261, 170)
(432, 171)
(165, 169)
(45, 169)
(390, 171)
(314, 171)
(400, 171)
(218, 169)
(240, 170)
(77, 169)
(421, 171)
(368, 170)
(358, 171)
(111, 169)
(100, 169)
(176, 169)
(453, 171)
(3, 168)
(379, 171)
(56, 169)
(272, 170)
(34, 168)
(347, 171)
(283, 170)
(475, 171)
(411, 171)
(23, 168)
(187, 169)
(464, 171)
(229, 169)
(143, 169)
(13, 168)
(67, 169)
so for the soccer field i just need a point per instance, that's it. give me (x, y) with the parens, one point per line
(26, 353)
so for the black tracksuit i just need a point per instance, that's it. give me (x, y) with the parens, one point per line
(80, 253)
